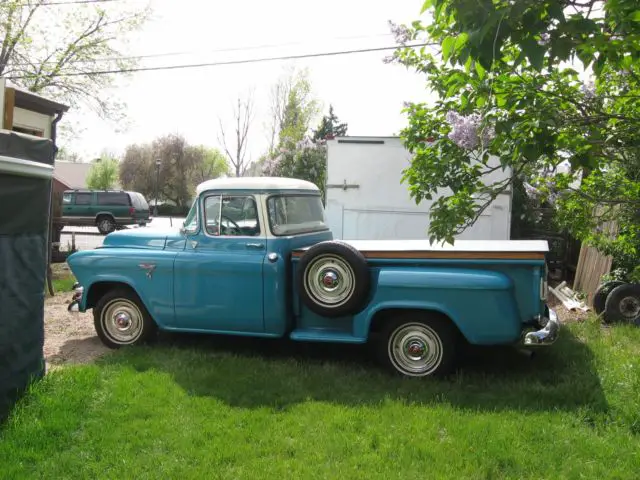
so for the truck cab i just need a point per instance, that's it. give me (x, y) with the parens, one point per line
(256, 257)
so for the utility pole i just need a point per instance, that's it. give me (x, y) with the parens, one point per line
(155, 209)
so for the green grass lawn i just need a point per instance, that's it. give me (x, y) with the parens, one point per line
(63, 284)
(219, 407)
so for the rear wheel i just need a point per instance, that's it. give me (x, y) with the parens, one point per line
(419, 345)
(105, 224)
(121, 319)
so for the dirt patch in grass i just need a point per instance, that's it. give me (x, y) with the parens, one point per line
(565, 315)
(69, 338)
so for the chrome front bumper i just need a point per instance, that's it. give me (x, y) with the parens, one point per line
(74, 306)
(548, 334)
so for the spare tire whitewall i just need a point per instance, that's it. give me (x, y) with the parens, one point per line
(333, 279)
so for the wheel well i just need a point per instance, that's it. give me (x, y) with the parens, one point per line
(381, 317)
(100, 215)
(99, 289)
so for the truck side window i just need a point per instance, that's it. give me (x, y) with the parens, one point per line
(237, 215)
(66, 198)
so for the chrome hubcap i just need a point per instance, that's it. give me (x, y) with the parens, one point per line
(630, 307)
(415, 349)
(122, 321)
(329, 280)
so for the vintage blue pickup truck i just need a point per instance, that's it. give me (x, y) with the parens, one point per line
(255, 257)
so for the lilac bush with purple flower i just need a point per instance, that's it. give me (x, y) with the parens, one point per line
(506, 88)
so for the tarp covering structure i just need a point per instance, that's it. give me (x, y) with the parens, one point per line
(26, 171)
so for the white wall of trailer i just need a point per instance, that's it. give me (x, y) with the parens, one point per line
(365, 198)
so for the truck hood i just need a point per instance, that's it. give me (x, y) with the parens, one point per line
(145, 238)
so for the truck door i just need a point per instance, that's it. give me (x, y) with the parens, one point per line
(218, 278)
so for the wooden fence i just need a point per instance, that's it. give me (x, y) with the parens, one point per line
(592, 265)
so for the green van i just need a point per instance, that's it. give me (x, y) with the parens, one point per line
(105, 209)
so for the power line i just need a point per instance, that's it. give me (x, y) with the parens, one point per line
(192, 52)
(66, 2)
(229, 62)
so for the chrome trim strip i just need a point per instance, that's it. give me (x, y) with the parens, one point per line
(27, 168)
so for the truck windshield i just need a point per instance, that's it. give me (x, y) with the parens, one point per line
(295, 214)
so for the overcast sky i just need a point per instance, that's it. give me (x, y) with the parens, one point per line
(365, 92)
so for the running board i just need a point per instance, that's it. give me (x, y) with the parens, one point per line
(324, 335)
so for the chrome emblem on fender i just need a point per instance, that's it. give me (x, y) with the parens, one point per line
(149, 267)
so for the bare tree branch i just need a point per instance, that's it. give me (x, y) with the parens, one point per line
(37, 49)
(242, 118)
(9, 43)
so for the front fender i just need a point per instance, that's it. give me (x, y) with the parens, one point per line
(481, 303)
(102, 279)
(154, 285)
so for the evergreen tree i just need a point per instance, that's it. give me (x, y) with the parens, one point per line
(330, 126)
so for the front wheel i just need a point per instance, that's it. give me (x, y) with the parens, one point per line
(121, 319)
(419, 346)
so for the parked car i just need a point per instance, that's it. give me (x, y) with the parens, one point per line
(106, 209)
(256, 257)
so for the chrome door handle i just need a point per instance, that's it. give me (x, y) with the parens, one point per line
(255, 245)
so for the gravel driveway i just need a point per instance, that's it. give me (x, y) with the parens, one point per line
(68, 338)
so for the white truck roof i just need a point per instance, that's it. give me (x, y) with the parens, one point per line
(256, 183)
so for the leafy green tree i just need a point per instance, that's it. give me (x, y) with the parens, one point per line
(298, 113)
(210, 163)
(103, 174)
(307, 160)
(330, 126)
(508, 87)
(52, 50)
(181, 168)
(293, 108)
(138, 170)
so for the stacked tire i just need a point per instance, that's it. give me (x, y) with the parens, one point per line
(618, 302)
(333, 280)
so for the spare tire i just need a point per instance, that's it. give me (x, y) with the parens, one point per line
(623, 304)
(333, 279)
(601, 294)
